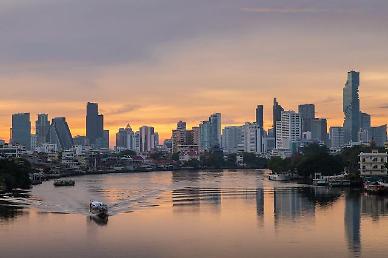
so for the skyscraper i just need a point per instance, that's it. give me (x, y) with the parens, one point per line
(42, 126)
(21, 130)
(148, 139)
(378, 135)
(94, 125)
(210, 132)
(260, 128)
(260, 116)
(231, 138)
(289, 130)
(351, 107)
(365, 121)
(307, 112)
(125, 139)
(59, 134)
(337, 137)
(319, 130)
(276, 115)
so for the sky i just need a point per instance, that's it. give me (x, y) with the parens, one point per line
(153, 62)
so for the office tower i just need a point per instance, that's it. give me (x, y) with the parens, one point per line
(250, 133)
(125, 138)
(106, 139)
(378, 135)
(288, 130)
(276, 115)
(21, 130)
(59, 134)
(210, 132)
(307, 112)
(179, 136)
(195, 132)
(94, 126)
(260, 116)
(34, 141)
(337, 138)
(351, 107)
(42, 126)
(319, 130)
(148, 139)
(80, 140)
(231, 138)
(365, 121)
(260, 126)
(137, 141)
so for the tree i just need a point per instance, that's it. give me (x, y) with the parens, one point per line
(15, 173)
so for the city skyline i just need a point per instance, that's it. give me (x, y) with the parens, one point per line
(268, 119)
(133, 65)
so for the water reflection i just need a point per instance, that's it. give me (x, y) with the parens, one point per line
(291, 204)
(353, 221)
(230, 203)
(98, 220)
(13, 204)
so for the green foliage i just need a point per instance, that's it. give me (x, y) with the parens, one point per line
(130, 153)
(213, 159)
(231, 160)
(15, 173)
(251, 160)
(279, 165)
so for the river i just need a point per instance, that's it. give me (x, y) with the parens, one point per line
(225, 214)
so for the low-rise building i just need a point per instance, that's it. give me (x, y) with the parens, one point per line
(373, 164)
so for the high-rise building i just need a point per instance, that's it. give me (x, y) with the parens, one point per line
(106, 139)
(337, 138)
(260, 116)
(365, 121)
(250, 134)
(378, 135)
(42, 126)
(59, 134)
(276, 115)
(231, 138)
(351, 107)
(319, 130)
(210, 132)
(148, 139)
(260, 126)
(288, 130)
(21, 130)
(94, 126)
(125, 139)
(307, 112)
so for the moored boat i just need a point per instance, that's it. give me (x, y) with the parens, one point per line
(279, 177)
(63, 182)
(374, 187)
(99, 209)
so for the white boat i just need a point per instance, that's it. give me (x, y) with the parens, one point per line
(279, 177)
(98, 208)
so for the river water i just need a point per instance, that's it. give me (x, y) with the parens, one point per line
(193, 214)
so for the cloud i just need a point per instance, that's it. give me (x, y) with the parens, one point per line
(284, 10)
(124, 109)
(384, 106)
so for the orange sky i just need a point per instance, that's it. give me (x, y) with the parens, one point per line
(187, 61)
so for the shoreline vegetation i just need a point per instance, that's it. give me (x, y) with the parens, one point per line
(14, 173)
(312, 159)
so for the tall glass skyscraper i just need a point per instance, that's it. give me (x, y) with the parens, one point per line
(351, 107)
(60, 134)
(21, 130)
(42, 126)
(210, 132)
(94, 125)
(307, 112)
(277, 115)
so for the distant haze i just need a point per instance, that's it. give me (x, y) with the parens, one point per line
(153, 62)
